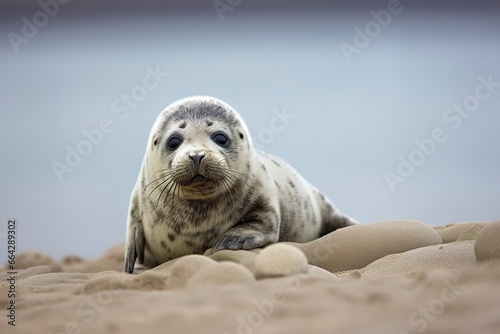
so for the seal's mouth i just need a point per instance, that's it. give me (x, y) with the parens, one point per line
(197, 179)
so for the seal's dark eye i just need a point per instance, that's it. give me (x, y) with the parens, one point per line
(220, 139)
(173, 143)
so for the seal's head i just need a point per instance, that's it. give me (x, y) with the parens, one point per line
(199, 148)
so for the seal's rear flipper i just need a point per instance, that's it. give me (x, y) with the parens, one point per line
(332, 218)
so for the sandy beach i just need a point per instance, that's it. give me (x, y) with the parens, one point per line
(399, 276)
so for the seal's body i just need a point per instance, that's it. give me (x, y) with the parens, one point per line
(202, 185)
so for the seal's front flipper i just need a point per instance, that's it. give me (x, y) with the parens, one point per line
(243, 238)
(134, 247)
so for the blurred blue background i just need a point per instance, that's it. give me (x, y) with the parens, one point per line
(353, 118)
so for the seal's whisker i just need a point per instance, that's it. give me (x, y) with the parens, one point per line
(158, 186)
(232, 174)
(223, 184)
(173, 185)
(175, 204)
(235, 177)
(241, 176)
(161, 170)
(169, 184)
(162, 177)
(234, 192)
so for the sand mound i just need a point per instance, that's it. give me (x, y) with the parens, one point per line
(487, 245)
(451, 257)
(182, 269)
(221, 274)
(280, 260)
(354, 247)
(402, 279)
(460, 231)
(111, 260)
(32, 259)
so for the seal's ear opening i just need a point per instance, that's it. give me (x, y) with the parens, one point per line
(155, 142)
(241, 135)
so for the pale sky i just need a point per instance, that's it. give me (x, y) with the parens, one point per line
(417, 104)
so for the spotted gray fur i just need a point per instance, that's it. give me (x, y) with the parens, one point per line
(235, 197)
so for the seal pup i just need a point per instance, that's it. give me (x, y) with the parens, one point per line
(203, 185)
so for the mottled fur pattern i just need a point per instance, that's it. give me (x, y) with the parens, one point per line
(208, 193)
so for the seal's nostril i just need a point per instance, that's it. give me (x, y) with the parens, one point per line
(196, 158)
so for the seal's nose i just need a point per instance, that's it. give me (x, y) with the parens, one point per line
(196, 158)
